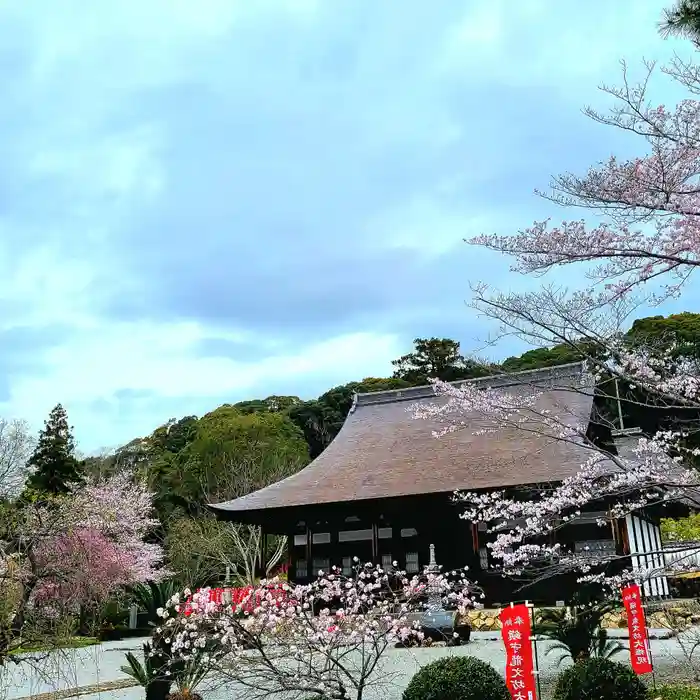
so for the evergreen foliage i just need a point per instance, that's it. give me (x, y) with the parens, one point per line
(682, 20)
(457, 678)
(55, 468)
(599, 679)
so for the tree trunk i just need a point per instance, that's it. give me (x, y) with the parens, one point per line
(18, 620)
(83, 621)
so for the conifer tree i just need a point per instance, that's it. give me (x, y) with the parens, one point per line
(55, 468)
(682, 20)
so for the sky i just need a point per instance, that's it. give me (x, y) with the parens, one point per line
(205, 202)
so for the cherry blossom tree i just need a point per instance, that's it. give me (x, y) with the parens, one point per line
(651, 202)
(16, 444)
(643, 251)
(324, 639)
(62, 556)
(100, 548)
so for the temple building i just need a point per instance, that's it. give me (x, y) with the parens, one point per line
(383, 489)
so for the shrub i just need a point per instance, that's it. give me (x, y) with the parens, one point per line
(577, 632)
(457, 678)
(599, 679)
(677, 692)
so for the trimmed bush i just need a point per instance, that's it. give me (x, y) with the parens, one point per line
(599, 679)
(457, 678)
(677, 692)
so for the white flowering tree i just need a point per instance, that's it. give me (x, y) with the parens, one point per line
(643, 251)
(324, 639)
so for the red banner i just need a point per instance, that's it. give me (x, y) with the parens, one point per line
(515, 629)
(639, 641)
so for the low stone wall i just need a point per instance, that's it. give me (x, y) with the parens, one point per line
(675, 615)
(484, 620)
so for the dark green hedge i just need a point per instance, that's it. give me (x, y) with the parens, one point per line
(599, 679)
(457, 678)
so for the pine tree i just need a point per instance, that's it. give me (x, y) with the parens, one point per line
(682, 20)
(55, 467)
(437, 358)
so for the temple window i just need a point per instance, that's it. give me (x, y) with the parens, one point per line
(354, 535)
(321, 564)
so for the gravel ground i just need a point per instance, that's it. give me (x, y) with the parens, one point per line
(81, 668)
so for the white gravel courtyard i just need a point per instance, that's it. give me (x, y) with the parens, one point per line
(79, 668)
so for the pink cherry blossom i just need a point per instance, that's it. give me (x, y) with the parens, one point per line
(325, 637)
(79, 549)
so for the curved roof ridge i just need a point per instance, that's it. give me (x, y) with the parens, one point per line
(503, 380)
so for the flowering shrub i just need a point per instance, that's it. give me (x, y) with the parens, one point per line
(323, 638)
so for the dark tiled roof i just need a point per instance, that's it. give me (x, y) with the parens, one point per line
(382, 451)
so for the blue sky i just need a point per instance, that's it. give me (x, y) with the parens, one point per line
(202, 202)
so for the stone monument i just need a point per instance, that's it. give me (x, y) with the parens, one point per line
(438, 624)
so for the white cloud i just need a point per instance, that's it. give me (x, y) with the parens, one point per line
(424, 224)
(90, 61)
(158, 363)
(42, 287)
(557, 44)
(117, 165)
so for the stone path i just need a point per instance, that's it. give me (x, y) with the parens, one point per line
(93, 673)
(62, 671)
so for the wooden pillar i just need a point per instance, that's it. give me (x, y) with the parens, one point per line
(263, 555)
(334, 526)
(309, 556)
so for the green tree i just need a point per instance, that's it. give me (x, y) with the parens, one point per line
(55, 467)
(226, 443)
(682, 20)
(272, 404)
(542, 357)
(321, 419)
(438, 358)
(173, 436)
(314, 419)
(679, 330)
(681, 529)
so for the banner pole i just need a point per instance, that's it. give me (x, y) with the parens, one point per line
(533, 639)
(646, 634)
